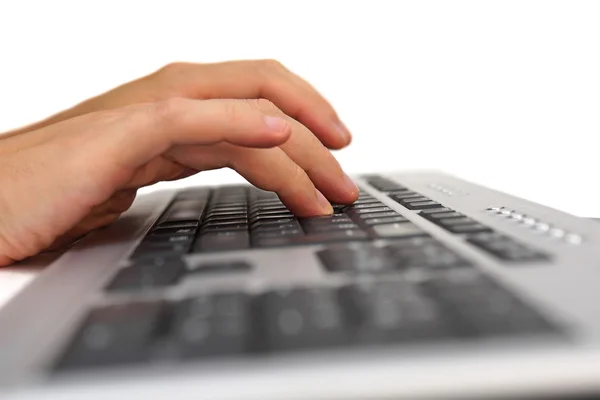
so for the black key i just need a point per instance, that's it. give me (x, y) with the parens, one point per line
(507, 249)
(336, 236)
(361, 258)
(220, 267)
(366, 200)
(227, 209)
(421, 205)
(382, 214)
(365, 205)
(426, 254)
(441, 215)
(272, 217)
(113, 335)
(392, 312)
(272, 221)
(354, 211)
(387, 220)
(228, 222)
(333, 236)
(472, 228)
(276, 226)
(455, 221)
(222, 241)
(178, 224)
(260, 213)
(402, 229)
(183, 230)
(148, 274)
(483, 308)
(405, 196)
(168, 239)
(278, 233)
(384, 184)
(212, 325)
(319, 228)
(225, 227)
(326, 220)
(225, 217)
(434, 211)
(302, 319)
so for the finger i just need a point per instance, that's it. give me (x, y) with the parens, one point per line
(262, 79)
(317, 161)
(268, 169)
(273, 170)
(150, 130)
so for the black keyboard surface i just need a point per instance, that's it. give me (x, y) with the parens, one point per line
(375, 247)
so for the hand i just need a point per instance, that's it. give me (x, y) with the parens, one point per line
(61, 181)
(267, 79)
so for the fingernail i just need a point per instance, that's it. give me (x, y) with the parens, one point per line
(350, 184)
(275, 124)
(324, 203)
(343, 131)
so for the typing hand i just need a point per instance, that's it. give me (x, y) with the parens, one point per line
(63, 180)
(267, 79)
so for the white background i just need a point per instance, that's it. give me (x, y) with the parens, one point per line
(504, 93)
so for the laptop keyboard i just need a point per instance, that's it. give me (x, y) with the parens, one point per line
(401, 285)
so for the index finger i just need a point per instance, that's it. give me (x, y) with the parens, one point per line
(263, 79)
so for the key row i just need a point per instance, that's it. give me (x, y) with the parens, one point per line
(389, 312)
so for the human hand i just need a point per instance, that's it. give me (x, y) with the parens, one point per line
(64, 180)
(268, 79)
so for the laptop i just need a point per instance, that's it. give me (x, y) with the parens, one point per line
(428, 286)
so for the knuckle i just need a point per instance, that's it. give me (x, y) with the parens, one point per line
(232, 112)
(270, 65)
(167, 110)
(263, 105)
(174, 68)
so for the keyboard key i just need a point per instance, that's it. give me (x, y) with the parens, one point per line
(434, 211)
(402, 229)
(225, 217)
(178, 224)
(183, 230)
(482, 308)
(320, 228)
(471, 228)
(387, 220)
(506, 248)
(383, 214)
(148, 274)
(363, 258)
(317, 238)
(222, 241)
(225, 223)
(365, 205)
(220, 267)
(441, 215)
(168, 239)
(224, 228)
(302, 319)
(358, 211)
(391, 312)
(405, 196)
(212, 325)
(276, 226)
(423, 254)
(455, 221)
(117, 334)
(278, 233)
(420, 205)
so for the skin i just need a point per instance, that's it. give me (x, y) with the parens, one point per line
(87, 163)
